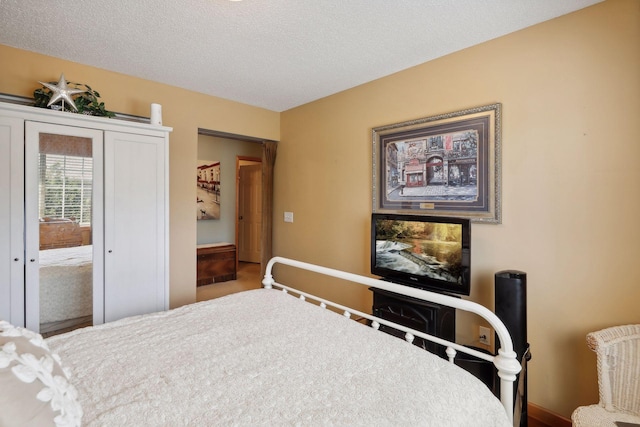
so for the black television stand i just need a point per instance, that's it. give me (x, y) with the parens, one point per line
(430, 318)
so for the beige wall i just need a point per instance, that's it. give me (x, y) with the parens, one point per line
(183, 110)
(570, 93)
(570, 90)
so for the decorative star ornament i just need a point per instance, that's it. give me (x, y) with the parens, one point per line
(62, 92)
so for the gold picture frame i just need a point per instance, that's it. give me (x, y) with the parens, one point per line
(448, 165)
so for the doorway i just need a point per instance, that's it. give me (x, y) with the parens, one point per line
(230, 148)
(249, 209)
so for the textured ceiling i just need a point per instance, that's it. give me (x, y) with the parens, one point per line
(275, 54)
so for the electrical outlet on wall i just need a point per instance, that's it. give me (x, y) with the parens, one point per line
(484, 335)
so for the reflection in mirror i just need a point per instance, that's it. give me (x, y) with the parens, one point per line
(65, 186)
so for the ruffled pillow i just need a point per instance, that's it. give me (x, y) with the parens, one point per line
(34, 388)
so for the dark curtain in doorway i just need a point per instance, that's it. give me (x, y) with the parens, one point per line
(269, 149)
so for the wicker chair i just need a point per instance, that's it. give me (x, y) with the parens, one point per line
(618, 356)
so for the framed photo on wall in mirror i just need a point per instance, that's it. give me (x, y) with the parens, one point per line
(448, 164)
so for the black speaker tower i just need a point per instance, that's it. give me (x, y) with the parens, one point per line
(511, 308)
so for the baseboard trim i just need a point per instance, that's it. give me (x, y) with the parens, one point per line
(546, 417)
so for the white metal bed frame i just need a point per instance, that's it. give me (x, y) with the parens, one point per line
(505, 361)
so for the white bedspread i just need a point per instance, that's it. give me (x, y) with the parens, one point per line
(264, 358)
(66, 257)
(66, 283)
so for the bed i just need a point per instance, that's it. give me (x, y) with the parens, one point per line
(66, 283)
(265, 357)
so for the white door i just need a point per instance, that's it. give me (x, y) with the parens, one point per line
(63, 226)
(12, 220)
(250, 213)
(134, 225)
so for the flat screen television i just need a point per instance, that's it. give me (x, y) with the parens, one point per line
(426, 252)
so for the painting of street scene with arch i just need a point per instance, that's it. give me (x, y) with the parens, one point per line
(447, 164)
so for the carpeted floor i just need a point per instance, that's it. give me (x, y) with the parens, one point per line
(248, 277)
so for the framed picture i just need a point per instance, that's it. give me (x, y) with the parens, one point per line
(446, 165)
(208, 192)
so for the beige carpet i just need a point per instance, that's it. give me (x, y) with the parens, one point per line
(248, 277)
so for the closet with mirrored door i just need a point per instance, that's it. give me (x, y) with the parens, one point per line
(83, 219)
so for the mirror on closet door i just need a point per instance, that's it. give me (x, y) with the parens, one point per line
(65, 196)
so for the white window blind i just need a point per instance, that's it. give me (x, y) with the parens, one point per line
(65, 187)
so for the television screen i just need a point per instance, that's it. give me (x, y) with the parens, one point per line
(427, 252)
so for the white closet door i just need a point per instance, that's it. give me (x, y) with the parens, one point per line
(134, 225)
(12, 220)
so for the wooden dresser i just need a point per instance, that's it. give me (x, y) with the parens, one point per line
(216, 263)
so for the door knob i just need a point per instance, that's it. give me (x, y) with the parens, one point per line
(16, 259)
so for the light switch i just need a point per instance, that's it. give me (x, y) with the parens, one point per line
(288, 217)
